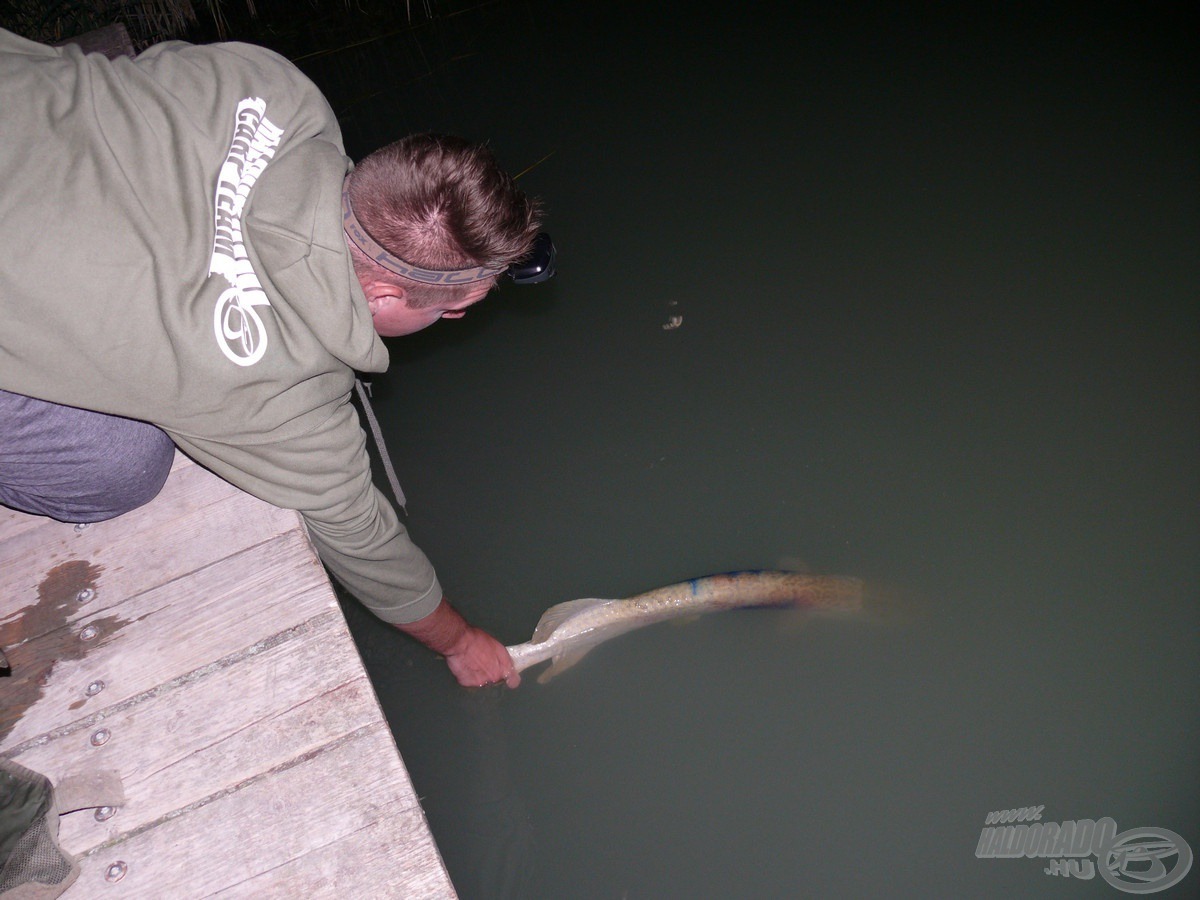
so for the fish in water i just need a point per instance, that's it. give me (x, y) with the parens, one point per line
(566, 632)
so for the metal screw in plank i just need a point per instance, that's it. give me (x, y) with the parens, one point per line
(116, 871)
(85, 595)
(94, 688)
(100, 738)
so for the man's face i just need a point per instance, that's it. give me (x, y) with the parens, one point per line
(395, 317)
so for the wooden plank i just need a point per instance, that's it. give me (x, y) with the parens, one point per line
(267, 837)
(186, 741)
(13, 523)
(253, 753)
(378, 861)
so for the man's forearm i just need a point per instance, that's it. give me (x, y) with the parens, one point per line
(441, 631)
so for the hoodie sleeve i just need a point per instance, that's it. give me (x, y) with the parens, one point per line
(325, 474)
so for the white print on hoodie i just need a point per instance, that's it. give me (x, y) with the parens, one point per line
(239, 329)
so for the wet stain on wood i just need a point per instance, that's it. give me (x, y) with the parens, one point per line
(38, 636)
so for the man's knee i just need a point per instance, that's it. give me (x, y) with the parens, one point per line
(75, 465)
(117, 486)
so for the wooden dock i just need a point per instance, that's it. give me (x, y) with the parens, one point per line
(195, 647)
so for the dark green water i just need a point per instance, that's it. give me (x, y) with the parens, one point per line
(937, 277)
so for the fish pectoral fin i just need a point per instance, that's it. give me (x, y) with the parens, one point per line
(554, 617)
(562, 662)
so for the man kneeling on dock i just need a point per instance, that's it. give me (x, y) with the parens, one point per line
(181, 268)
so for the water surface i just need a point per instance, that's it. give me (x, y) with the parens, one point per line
(936, 285)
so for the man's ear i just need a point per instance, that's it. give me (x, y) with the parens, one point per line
(382, 294)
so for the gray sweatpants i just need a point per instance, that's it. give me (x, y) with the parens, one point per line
(75, 465)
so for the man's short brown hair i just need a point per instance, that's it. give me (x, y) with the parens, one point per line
(439, 202)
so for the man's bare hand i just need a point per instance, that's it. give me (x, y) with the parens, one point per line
(474, 656)
(480, 659)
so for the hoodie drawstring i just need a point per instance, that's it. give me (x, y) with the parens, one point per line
(364, 395)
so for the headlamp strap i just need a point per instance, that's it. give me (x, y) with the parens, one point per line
(367, 244)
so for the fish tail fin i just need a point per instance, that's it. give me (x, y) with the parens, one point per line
(885, 603)
(536, 650)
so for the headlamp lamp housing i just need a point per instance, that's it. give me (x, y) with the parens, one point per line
(538, 266)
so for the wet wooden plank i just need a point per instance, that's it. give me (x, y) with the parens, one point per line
(218, 678)
(160, 635)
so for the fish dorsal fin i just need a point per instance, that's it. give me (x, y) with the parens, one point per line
(554, 617)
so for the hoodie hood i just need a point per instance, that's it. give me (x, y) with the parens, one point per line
(293, 232)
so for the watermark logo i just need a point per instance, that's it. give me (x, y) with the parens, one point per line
(1137, 861)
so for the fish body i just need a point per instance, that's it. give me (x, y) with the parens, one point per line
(566, 632)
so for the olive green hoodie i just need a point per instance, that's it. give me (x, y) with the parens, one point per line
(173, 252)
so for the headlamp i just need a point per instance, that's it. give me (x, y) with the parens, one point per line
(538, 265)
